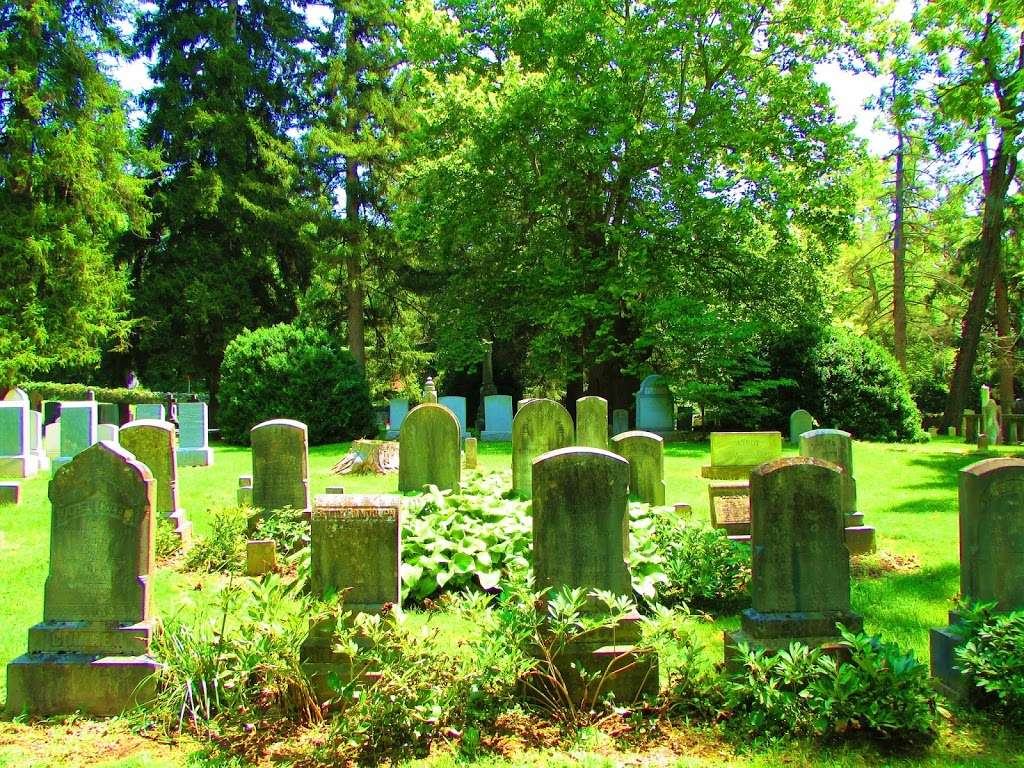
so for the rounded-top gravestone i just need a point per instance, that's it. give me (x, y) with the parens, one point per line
(592, 422)
(152, 442)
(280, 464)
(655, 409)
(800, 421)
(429, 449)
(645, 452)
(539, 426)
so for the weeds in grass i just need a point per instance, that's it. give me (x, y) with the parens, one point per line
(224, 548)
(993, 655)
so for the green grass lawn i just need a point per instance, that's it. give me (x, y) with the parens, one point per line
(908, 492)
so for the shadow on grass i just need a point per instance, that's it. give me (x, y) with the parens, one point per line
(926, 585)
(688, 450)
(945, 467)
(924, 506)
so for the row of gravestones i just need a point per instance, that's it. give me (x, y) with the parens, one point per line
(90, 652)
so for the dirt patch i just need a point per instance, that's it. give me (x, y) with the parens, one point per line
(879, 564)
(75, 743)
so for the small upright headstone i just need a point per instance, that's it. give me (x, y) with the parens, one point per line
(735, 454)
(108, 413)
(90, 652)
(243, 495)
(969, 428)
(497, 419)
(77, 430)
(539, 426)
(150, 411)
(991, 555)
(836, 446)
(429, 391)
(193, 435)
(950, 431)
(471, 453)
(456, 405)
(800, 572)
(280, 465)
(356, 551)
(398, 407)
(983, 442)
(152, 443)
(592, 422)
(800, 421)
(109, 432)
(655, 409)
(10, 494)
(581, 539)
(620, 421)
(645, 453)
(17, 459)
(260, 557)
(429, 449)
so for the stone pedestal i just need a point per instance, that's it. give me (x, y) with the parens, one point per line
(942, 644)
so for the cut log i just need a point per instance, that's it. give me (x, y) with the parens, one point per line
(368, 456)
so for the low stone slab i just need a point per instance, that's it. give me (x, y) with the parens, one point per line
(260, 557)
(10, 494)
(735, 454)
(729, 502)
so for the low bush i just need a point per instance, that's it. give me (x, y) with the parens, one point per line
(224, 548)
(287, 372)
(993, 655)
(703, 569)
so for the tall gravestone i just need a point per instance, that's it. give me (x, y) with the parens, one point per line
(581, 539)
(108, 413)
(735, 454)
(836, 447)
(990, 417)
(655, 409)
(620, 421)
(592, 422)
(17, 459)
(497, 419)
(90, 652)
(456, 405)
(645, 453)
(194, 435)
(471, 453)
(398, 408)
(800, 421)
(969, 426)
(280, 465)
(356, 551)
(539, 426)
(78, 422)
(991, 556)
(800, 570)
(152, 442)
(149, 411)
(429, 449)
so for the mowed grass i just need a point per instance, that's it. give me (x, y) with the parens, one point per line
(908, 492)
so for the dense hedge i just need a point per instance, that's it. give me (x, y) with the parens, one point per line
(285, 372)
(45, 390)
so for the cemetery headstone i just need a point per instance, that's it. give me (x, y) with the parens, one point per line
(729, 502)
(970, 427)
(398, 407)
(335, 489)
(655, 409)
(800, 570)
(16, 395)
(77, 430)
(260, 557)
(151, 411)
(991, 556)
(800, 421)
(51, 412)
(471, 453)
(645, 453)
(356, 551)
(497, 419)
(193, 435)
(592, 422)
(91, 651)
(735, 454)
(108, 432)
(17, 459)
(429, 391)
(152, 443)
(950, 431)
(429, 449)
(456, 405)
(35, 439)
(836, 447)
(539, 426)
(620, 421)
(983, 442)
(108, 413)
(581, 539)
(51, 439)
(10, 494)
(243, 495)
(280, 465)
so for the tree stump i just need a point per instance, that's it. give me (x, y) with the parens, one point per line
(366, 456)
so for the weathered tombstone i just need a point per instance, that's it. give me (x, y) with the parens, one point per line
(429, 391)
(836, 446)
(152, 443)
(800, 421)
(539, 426)
(991, 556)
(735, 454)
(456, 405)
(149, 411)
(90, 652)
(10, 494)
(933, 431)
(108, 413)
(17, 459)
(334, 489)
(16, 395)
(77, 430)
(280, 465)
(355, 550)
(51, 439)
(970, 427)
(193, 435)
(983, 442)
(497, 419)
(592, 422)
(51, 412)
(471, 453)
(429, 449)
(243, 495)
(398, 407)
(620, 421)
(35, 439)
(800, 571)
(260, 557)
(655, 410)
(108, 432)
(729, 502)
(581, 539)
(645, 453)
(950, 431)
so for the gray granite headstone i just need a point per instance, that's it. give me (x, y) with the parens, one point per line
(497, 419)
(620, 421)
(78, 420)
(456, 405)
(645, 453)
(193, 436)
(800, 421)
(592, 422)
(153, 443)
(151, 411)
(280, 465)
(17, 459)
(655, 409)
(398, 408)
(539, 426)
(429, 449)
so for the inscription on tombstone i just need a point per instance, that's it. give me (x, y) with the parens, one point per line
(429, 450)
(280, 465)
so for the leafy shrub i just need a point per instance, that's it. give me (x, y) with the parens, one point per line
(286, 372)
(993, 654)
(701, 566)
(854, 384)
(167, 541)
(47, 390)
(288, 528)
(224, 548)
(879, 691)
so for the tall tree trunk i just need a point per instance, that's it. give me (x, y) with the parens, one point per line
(899, 249)
(996, 174)
(354, 196)
(1005, 330)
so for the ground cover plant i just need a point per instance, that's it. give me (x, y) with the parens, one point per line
(908, 492)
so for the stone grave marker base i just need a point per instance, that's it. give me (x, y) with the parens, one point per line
(943, 643)
(195, 457)
(19, 466)
(727, 471)
(860, 539)
(776, 631)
